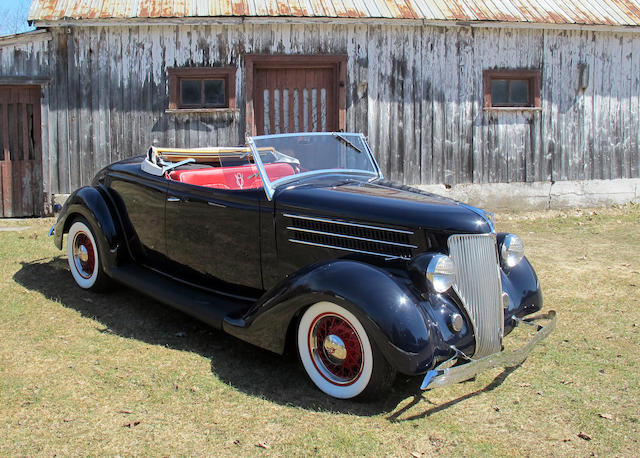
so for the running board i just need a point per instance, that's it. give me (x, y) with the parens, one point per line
(209, 308)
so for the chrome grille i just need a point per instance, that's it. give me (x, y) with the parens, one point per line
(347, 236)
(479, 285)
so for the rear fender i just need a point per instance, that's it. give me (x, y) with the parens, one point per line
(387, 309)
(90, 203)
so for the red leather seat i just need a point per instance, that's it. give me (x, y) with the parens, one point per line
(241, 177)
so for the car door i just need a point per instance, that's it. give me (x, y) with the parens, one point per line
(141, 198)
(213, 236)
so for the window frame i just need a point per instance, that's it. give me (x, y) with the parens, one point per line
(177, 75)
(532, 76)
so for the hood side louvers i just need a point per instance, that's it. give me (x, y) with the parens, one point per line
(350, 236)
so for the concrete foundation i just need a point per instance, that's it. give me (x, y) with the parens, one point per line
(542, 195)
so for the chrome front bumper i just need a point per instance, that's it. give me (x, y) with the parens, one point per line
(444, 374)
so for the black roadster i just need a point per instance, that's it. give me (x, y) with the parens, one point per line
(297, 238)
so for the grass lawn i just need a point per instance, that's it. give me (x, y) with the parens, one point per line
(118, 374)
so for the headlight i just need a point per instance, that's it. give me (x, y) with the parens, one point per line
(441, 272)
(512, 250)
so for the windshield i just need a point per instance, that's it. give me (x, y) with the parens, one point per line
(311, 154)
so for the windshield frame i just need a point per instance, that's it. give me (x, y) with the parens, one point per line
(270, 186)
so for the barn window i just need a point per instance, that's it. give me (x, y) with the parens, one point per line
(202, 88)
(512, 89)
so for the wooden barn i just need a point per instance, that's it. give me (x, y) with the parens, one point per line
(449, 92)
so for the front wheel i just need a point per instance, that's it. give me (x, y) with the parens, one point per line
(338, 356)
(84, 257)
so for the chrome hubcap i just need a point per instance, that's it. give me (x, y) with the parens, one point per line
(334, 349)
(82, 254)
(83, 257)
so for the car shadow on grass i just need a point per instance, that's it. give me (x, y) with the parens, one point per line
(247, 368)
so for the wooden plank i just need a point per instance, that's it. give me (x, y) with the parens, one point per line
(73, 106)
(38, 201)
(624, 93)
(373, 98)
(166, 59)
(85, 100)
(360, 81)
(439, 84)
(451, 119)
(104, 153)
(467, 71)
(634, 116)
(425, 147)
(129, 85)
(7, 191)
(383, 126)
(571, 162)
(536, 152)
(411, 108)
(26, 207)
(614, 51)
(118, 58)
(62, 111)
(196, 124)
(43, 127)
(548, 111)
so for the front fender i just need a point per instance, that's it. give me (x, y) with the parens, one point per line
(386, 307)
(90, 203)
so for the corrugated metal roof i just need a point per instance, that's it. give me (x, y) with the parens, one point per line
(588, 12)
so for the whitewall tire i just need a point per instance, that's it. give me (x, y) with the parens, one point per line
(337, 354)
(83, 256)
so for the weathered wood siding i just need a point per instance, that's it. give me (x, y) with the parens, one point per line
(416, 91)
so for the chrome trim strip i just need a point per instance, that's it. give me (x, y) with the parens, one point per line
(444, 374)
(332, 234)
(386, 256)
(344, 223)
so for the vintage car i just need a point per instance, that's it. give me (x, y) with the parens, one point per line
(297, 239)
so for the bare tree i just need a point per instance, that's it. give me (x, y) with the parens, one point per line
(13, 19)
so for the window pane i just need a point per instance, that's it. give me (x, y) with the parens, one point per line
(519, 92)
(214, 93)
(499, 93)
(190, 91)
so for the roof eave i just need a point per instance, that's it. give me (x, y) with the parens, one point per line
(232, 20)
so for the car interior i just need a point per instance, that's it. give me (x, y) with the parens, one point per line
(220, 168)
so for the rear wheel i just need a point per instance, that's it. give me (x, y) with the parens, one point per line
(338, 356)
(84, 257)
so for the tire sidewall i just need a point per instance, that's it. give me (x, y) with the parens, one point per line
(353, 389)
(81, 226)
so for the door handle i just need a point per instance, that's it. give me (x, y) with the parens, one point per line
(173, 199)
(214, 204)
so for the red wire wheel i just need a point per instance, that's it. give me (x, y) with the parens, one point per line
(83, 255)
(336, 349)
(82, 252)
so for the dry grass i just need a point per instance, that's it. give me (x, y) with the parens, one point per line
(83, 374)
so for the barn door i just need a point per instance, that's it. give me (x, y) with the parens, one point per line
(20, 152)
(295, 94)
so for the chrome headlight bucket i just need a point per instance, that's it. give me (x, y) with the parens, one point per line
(441, 272)
(511, 250)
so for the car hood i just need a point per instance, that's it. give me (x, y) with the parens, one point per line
(380, 201)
